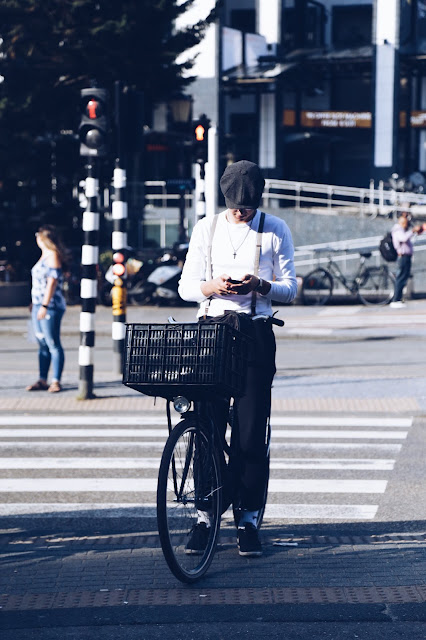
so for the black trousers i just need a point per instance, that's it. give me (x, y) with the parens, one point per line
(249, 460)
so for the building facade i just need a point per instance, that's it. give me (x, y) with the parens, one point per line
(330, 91)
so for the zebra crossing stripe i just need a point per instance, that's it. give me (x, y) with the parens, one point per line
(136, 420)
(142, 485)
(163, 433)
(327, 464)
(382, 448)
(315, 512)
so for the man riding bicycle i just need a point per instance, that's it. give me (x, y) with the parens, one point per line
(239, 261)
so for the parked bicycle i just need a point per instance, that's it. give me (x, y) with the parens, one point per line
(373, 285)
(194, 366)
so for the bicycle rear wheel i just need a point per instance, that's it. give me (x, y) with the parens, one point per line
(189, 483)
(317, 287)
(377, 286)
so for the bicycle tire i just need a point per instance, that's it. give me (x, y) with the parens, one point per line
(317, 287)
(188, 453)
(377, 286)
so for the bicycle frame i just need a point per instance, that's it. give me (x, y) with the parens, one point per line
(336, 272)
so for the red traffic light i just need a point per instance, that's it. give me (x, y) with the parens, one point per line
(200, 133)
(118, 257)
(94, 109)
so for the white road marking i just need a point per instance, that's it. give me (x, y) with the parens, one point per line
(140, 485)
(344, 512)
(163, 433)
(349, 464)
(160, 420)
(138, 444)
(79, 463)
(362, 464)
(333, 435)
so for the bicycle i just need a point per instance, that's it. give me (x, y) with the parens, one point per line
(193, 366)
(372, 285)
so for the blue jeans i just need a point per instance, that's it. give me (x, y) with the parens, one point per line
(47, 332)
(402, 275)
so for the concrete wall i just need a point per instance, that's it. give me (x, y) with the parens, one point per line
(311, 228)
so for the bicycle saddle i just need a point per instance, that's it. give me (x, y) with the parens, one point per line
(365, 255)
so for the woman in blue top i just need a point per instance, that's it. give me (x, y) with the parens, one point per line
(48, 307)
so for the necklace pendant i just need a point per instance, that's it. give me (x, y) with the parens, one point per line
(235, 254)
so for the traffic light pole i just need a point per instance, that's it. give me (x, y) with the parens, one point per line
(119, 244)
(88, 287)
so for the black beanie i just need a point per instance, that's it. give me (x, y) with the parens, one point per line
(242, 185)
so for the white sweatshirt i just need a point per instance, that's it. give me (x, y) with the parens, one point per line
(233, 254)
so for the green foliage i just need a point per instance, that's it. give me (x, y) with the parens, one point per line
(53, 48)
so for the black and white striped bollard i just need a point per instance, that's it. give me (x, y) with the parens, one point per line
(119, 244)
(88, 286)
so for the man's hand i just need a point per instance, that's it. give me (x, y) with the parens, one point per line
(248, 283)
(220, 286)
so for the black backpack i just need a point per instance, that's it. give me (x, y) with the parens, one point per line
(387, 249)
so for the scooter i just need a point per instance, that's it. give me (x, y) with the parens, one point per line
(161, 286)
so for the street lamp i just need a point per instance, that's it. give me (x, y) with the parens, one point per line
(181, 109)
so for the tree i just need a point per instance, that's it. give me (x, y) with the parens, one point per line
(52, 48)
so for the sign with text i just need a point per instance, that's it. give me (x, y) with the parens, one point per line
(346, 119)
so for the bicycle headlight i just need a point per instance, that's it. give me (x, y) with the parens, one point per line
(181, 404)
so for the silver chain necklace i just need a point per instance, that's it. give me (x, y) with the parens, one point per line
(235, 250)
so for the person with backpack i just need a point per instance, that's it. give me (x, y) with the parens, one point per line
(401, 239)
(237, 263)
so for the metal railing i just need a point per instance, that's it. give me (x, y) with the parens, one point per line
(308, 256)
(309, 196)
(335, 199)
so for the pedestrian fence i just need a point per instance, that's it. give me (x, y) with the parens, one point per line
(313, 197)
(337, 199)
(306, 257)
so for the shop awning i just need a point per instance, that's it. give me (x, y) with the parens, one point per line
(260, 74)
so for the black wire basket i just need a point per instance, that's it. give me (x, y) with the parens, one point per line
(191, 359)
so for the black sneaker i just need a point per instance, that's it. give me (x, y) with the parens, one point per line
(197, 543)
(248, 541)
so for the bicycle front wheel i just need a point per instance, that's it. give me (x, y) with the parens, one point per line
(189, 486)
(317, 287)
(377, 286)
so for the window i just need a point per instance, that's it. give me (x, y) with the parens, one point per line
(352, 25)
(244, 20)
(303, 26)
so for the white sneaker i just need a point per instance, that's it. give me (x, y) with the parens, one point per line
(397, 305)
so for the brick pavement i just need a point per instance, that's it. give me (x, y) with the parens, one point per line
(127, 569)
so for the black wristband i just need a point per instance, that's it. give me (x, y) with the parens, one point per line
(45, 306)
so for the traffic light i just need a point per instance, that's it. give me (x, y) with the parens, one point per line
(119, 268)
(200, 130)
(94, 124)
